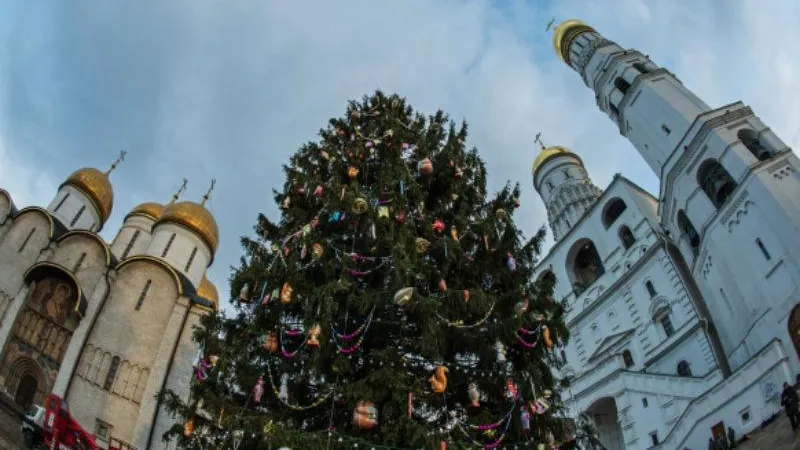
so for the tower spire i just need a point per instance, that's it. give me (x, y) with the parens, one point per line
(208, 192)
(116, 162)
(178, 193)
(538, 140)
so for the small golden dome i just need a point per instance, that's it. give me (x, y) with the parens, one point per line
(565, 33)
(151, 210)
(95, 185)
(548, 153)
(208, 291)
(196, 218)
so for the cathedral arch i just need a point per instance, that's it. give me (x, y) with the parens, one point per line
(158, 262)
(584, 265)
(26, 382)
(51, 225)
(604, 416)
(48, 270)
(612, 210)
(6, 207)
(761, 150)
(94, 237)
(715, 181)
(626, 237)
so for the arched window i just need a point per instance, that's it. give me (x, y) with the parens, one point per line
(683, 369)
(627, 358)
(622, 85)
(715, 181)
(584, 265)
(750, 140)
(686, 227)
(112, 373)
(651, 290)
(613, 209)
(626, 237)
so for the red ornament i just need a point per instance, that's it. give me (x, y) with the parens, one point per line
(318, 191)
(442, 286)
(425, 166)
(438, 226)
(400, 217)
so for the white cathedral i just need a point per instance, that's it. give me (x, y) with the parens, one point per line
(683, 309)
(105, 326)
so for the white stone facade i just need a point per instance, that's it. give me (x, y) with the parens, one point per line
(688, 323)
(105, 326)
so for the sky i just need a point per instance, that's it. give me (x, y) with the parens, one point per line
(207, 89)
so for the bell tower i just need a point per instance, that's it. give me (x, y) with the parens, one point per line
(729, 188)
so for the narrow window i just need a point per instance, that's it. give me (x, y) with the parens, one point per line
(651, 290)
(621, 84)
(169, 244)
(763, 249)
(627, 358)
(567, 175)
(27, 238)
(626, 237)
(61, 202)
(77, 216)
(666, 129)
(686, 227)
(112, 373)
(654, 437)
(130, 244)
(143, 295)
(666, 323)
(79, 262)
(568, 224)
(549, 185)
(191, 258)
(683, 369)
(644, 402)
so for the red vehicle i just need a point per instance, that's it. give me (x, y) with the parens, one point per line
(61, 431)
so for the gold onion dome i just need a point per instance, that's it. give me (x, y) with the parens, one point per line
(151, 210)
(547, 153)
(95, 185)
(208, 291)
(194, 217)
(565, 33)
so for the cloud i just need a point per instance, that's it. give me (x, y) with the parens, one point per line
(216, 89)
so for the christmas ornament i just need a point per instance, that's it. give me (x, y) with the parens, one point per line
(410, 405)
(318, 191)
(313, 336)
(325, 155)
(258, 390)
(467, 295)
(286, 203)
(438, 226)
(474, 395)
(286, 293)
(271, 343)
(203, 367)
(442, 286)
(442, 445)
(365, 415)
(317, 250)
(244, 293)
(525, 419)
(439, 380)
(383, 212)
(511, 389)
(301, 190)
(501, 214)
(422, 245)
(306, 229)
(425, 167)
(548, 342)
(188, 428)
(521, 307)
(511, 262)
(400, 217)
(515, 200)
(352, 172)
(360, 206)
(403, 296)
(303, 251)
(459, 172)
(336, 216)
(454, 233)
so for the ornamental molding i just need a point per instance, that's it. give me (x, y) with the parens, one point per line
(734, 206)
(587, 52)
(737, 217)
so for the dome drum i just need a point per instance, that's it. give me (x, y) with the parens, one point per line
(195, 218)
(96, 186)
(565, 33)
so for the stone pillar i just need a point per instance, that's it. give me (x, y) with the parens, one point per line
(158, 375)
(179, 379)
(74, 350)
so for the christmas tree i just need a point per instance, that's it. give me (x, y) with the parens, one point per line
(393, 304)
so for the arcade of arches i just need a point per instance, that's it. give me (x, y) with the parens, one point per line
(39, 339)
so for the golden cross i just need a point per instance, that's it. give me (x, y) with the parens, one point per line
(116, 162)
(550, 24)
(208, 192)
(180, 190)
(538, 140)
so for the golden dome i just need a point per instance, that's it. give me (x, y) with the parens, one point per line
(152, 210)
(565, 33)
(95, 185)
(548, 153)
(208, 291)
(195, 218)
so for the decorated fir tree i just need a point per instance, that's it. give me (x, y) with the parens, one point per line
(392, 305)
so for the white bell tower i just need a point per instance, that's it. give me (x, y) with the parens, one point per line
(730, 190)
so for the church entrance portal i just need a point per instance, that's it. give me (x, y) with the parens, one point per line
(26, 391)
(794, 328)
(603, 413)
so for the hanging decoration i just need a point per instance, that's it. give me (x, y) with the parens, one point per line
(313, 336)
(365, 415)
(425, 166)
(403, 296)
(474, 395)
(548, 342)
(244, 293)
(352, 172)
(286, 293)
(360, 206)
(439, 380)
(284, 401)
(258, 390)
